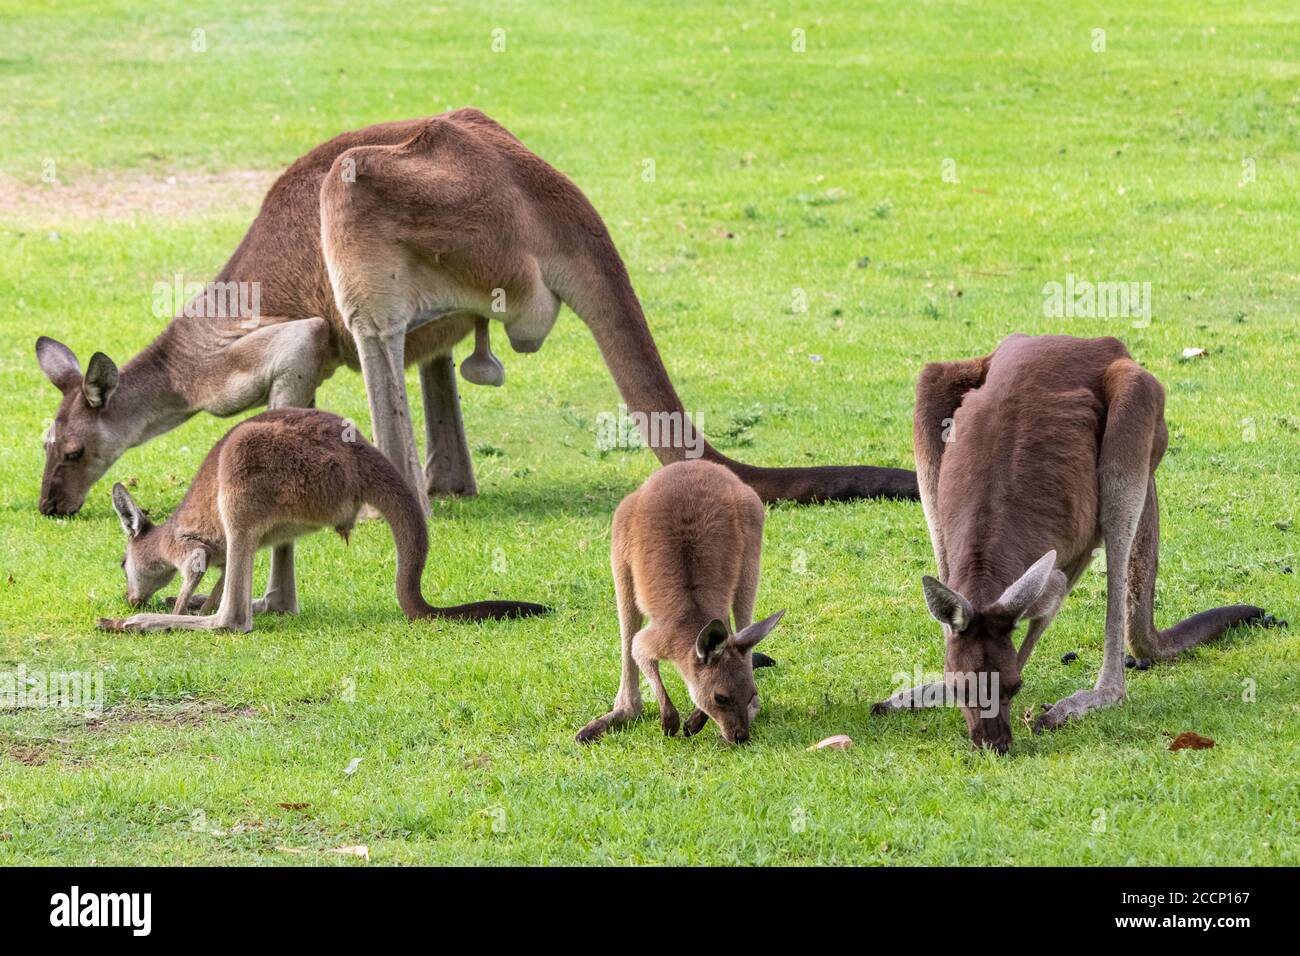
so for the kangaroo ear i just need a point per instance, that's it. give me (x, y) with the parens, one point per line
(747, 637)
(58, 363)
(1049, 602)
(100, 381)
(1018, 598)
(946, 605)
(708, 645)
(134, 521)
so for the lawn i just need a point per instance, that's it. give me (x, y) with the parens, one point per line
(806, 228)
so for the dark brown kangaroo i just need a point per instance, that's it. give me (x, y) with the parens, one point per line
(1028, 460)
(269, 480)
(379, 249)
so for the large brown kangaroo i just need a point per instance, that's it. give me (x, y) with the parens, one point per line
(1029, 459)
(267, 481)
(379, 249)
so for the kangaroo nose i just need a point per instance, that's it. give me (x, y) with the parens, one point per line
(49, 507)
(742, 736)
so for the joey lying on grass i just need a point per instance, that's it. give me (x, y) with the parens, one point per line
(685, 552)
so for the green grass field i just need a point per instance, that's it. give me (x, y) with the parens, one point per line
(1170, 157)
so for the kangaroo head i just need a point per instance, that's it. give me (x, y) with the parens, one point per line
(981, 665)
(147, 570)
(81, 444)
(720, 675)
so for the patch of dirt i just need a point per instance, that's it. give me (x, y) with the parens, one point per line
(28, 755)
(116, 196)
(32, 750)
(192, 713)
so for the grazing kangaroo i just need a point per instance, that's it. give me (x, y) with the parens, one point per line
(380, 249)
(1028, 460)
(270, 479)
(685, 550)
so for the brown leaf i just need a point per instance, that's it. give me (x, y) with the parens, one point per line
(838, 742)
(295, 806)
(1189, 740)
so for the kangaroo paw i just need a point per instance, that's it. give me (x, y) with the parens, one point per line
(695, 722)
(195, 604)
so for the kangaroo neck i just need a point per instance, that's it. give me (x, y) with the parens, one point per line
(146, 404)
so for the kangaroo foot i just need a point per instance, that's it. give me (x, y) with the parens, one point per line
(275, 602)
(1077, 704)
(168, 622)
(593, 731)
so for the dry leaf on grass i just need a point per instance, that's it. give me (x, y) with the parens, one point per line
(361, 850)
(1191, 353)
(294, 806)
(1189, 740)
(838, 742)
(352, 766)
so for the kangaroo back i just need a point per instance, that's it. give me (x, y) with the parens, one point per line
(385, 489)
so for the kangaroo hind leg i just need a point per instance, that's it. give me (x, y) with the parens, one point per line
(627, 703)
(1143, 639)
(1132, 444)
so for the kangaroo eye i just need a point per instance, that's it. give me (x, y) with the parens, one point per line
(74, 455)
(721, 700)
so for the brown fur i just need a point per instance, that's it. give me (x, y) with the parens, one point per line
(269, 480)
(1051, 451)
(685, 551)
(382, 248)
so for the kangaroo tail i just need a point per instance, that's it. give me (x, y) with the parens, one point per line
(1208, 626)
(604, 299)
(388, 492)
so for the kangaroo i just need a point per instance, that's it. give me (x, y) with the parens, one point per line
(379, 249)
(685, 551)
(1029, 459)
(270, 479)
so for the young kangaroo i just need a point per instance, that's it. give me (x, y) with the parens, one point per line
(685, 550)
(1029, 459)
(269, 480)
